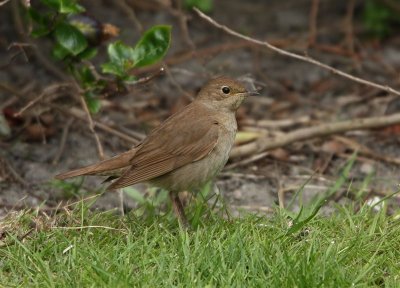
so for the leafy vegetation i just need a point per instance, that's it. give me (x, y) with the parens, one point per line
(356, 245)
(77, 37)
(85, 248)
(203, 5)
(379, 17)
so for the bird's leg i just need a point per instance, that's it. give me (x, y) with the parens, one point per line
(178, 209)
(121, 201)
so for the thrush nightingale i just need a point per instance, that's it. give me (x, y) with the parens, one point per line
(186, 151)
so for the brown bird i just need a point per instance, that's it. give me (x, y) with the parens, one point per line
(186, 151)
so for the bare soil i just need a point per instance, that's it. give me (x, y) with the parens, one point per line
(291, 89)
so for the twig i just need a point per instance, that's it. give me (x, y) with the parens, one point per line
(265, 209)
(21, 50)
(91, 128)
(47, 64)
(183, 19)
(176, 84)
(182, 57)
(246, 161)
(394, 5)
(135, 134)
(128, 10)
(274, 124)
(63, 141)
(313, 23)
(79, 114)
(14, 173)
(4, 2)
(148, 78)
(296, 56)
(349, 39)
(263, 144)
(353, 145)
(49, 90)
(88, 227)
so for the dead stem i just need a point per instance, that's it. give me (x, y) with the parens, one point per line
(63, 141)
(265, 143)
(312, 38)
(100, 149)
(296, 56)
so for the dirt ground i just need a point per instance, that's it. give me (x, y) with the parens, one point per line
(291, 90)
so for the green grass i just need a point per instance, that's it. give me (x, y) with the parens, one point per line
(346, 249)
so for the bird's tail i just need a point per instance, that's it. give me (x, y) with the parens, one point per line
(114, 163)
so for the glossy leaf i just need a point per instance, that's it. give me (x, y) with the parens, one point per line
(88, 53)
(70, 38)
(113, 68)
(41, 27)
(70, 7)
(93, 103)
(121, 59)
(203, 5)
(120, 53)
(86, 77)
(59, 52)
(64, 6)
(153, 46)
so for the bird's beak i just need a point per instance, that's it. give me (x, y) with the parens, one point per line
(252, 93)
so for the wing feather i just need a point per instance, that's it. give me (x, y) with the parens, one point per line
(165, 149)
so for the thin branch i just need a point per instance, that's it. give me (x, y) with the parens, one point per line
(176, 84)
(183, 23)
(296, 56)
(322, 130)
(87, 227)
(46, 63)
(130, 12)
(4, 2)
(100, 149)
(312, 38)
(63, 141)
(349, 30)
(50, 90)
(79, 114)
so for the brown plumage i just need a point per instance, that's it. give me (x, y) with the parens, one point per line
(185, 151)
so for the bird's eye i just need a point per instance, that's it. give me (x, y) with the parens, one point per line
(226, 90)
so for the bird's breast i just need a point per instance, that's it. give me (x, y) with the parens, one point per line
(196, 174)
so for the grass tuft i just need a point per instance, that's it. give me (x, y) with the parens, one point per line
(83, 248)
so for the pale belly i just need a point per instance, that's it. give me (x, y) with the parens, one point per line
(196, 174)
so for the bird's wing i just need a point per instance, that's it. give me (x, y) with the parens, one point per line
(117, 162)
(172, 145)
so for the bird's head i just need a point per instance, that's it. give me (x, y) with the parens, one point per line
(223, 93)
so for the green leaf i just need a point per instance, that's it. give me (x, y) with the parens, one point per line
(70, 7)
(93, 103)
(203, 5)
(41, 27)
(55, 4)
(113, 68)
(88, 53)
(120, 53)
(39, 18)
(40, 32)
(64, 6)
(379, 19)
(86, 77)
(121, 57)
(70, 38)
(59, 52)
(153, 46)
